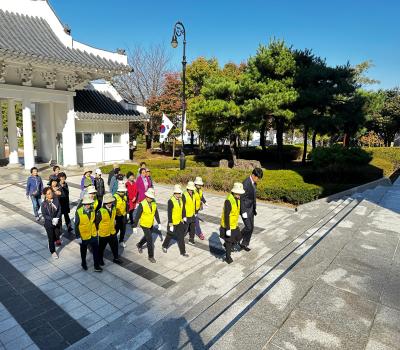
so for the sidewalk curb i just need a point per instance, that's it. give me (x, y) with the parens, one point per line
(385, 181)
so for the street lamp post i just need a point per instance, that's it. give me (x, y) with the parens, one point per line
(179, 30)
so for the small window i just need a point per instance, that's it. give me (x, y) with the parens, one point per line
(79, 139)
(107, 138)
(112, 138)
(116, 138)
(87, 138)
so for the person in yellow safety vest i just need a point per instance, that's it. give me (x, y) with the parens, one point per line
(229, 230)
(92, 192)
(121, 203)
(200, 200)
(189, 211)
(176, 228)
(86, 233)
(105, 223)
(146, 213)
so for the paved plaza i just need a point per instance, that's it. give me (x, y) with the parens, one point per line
(324, 277)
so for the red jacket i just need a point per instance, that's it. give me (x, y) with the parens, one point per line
(132, 194)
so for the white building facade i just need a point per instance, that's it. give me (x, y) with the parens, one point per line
(42, 66)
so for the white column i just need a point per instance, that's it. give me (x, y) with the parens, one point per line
(29, 156)
(53, 133)
(2, 151)
(68, 134)
(37, 129)
(12, 134)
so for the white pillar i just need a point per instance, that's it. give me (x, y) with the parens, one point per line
(29, 156)
(12, 134)
(37, 129)
(68, 134)
(2, 151)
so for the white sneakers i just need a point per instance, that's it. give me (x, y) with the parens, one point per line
(122, 244)
(134, 231)
(54, 255)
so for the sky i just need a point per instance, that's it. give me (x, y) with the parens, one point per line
(231, 30)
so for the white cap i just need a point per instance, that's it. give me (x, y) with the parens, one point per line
(91, 189)
(190, 186)
(98, 171)
(198, 181)
(178, 189)
(238, 188)
(87, 200)
(150, 193)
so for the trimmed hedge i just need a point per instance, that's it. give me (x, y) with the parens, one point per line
(337, 156)
(276, 185)
(386, 158)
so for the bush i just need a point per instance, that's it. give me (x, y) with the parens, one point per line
(276, 185)
(290, 153)
(390, 154)
(337, 157)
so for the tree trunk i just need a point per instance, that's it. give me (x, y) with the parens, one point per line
(248, 138)
(147, 138)
(279, 139)
(262, 134)
(346, 140)
(305, 139)
(232, 146)
(314, 139)
(191, 138)
(173, 148)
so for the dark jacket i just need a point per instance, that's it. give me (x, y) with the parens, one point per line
(110, 176)
(51, 211)
(248, 199)
(34, 186)
(99, 185)
(64, 198)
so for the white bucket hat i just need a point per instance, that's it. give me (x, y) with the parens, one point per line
(238, 188)
(98, 171)
(178, 189)
(108, 198)
(87, 200)
(198, 181)
(91, 189)
(190, 186)
(150, 193)
(121, 187)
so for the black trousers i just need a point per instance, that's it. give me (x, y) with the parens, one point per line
(120, 226)
(179, 235)
(95, 250)
(235, 237)
(53, 234)
(112, 241)
(248, 229)
(147, 238)
(190, 227)
(67, 219)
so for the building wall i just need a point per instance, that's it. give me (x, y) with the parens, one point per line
(98, 151)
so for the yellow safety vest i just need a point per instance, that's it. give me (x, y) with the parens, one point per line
(120, 204)
(176, 211)
(189, 205)
(148, 214)
(87, 227)
(95, 203)
(107, 223)
(233, 215)
(198, 195)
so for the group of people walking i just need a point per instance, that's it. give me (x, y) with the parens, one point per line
(101, 217)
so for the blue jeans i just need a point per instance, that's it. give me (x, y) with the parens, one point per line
(36, 202)
(197, 225)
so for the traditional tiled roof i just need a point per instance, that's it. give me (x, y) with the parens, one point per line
(32, 38)
(95, 105)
